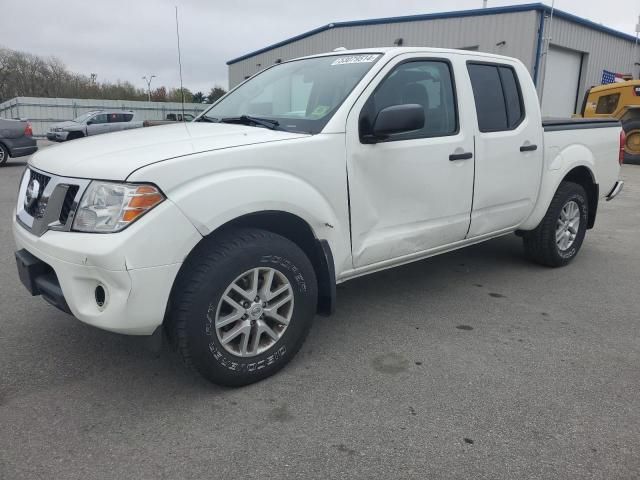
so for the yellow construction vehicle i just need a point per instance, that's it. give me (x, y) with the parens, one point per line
(622, 101)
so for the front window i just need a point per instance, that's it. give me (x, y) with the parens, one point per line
(607, 104)
(296, 96)
(82, 118)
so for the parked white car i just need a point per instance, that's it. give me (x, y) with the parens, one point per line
(93, 123)
(231, 233)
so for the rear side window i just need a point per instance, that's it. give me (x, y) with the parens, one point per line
(126, 117)
(497, 96)
(607, 104)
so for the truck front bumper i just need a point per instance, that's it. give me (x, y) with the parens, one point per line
(617, 188)
(91, 276)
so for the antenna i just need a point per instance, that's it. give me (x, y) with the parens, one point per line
(545, 52)
(179, 61)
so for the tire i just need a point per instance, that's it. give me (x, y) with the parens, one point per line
(540, 244)
(632, 126)
(4, 154)
(74, 136)
(197, 305)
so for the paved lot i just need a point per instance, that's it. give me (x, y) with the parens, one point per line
(474, 364)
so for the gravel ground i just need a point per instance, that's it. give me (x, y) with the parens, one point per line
(474, 364)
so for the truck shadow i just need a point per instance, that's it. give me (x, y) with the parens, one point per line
(64, 351)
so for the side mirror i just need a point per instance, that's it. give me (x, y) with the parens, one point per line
(396, 119)
(90, 122)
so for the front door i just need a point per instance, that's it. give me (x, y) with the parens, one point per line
(98, 124)
(411, 192)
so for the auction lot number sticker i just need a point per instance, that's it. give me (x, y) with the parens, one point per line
(348, 59)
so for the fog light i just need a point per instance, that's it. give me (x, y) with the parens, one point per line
(101, 296)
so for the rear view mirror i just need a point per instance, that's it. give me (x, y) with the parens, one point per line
(396, 119)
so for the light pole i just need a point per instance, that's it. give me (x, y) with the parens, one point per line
(148, 80)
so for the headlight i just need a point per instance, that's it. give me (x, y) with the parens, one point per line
(108, 207)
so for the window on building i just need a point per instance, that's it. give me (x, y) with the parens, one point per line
(497, 97)
(607, 104)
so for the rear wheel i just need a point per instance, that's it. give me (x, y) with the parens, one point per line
(242, 306)
(558, 238)
(4, 154)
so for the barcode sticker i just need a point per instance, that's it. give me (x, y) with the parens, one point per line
(348, 59)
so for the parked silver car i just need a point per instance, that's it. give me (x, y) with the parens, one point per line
(93, 123)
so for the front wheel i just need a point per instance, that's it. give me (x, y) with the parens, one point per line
(558, 238)
(242, 306)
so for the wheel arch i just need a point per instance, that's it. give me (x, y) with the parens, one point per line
(580, 173)
(297, 230)
(584, 177)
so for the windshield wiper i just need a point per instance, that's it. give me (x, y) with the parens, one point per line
(249, 120)
(204, 118)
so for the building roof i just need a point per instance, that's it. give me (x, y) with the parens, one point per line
(540, 7)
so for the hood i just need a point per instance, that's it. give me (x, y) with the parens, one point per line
(113, 156)
(68, 123)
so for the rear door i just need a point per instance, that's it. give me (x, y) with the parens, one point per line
(412, 192)
(119, 121)
(509, 148)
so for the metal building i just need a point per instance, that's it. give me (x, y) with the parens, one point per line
(565, 54)
(43, 112)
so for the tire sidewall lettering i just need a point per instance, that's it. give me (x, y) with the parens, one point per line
(289, 266)
(236, 365)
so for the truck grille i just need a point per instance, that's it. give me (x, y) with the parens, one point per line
(69, 198)
(36, 209)
(52, 206)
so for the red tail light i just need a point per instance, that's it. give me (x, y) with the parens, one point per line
(623, 141)
(28, 131)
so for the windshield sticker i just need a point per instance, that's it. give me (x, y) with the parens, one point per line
(320, 111)
(349, 59)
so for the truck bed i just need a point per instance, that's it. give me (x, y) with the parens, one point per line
(551, 124)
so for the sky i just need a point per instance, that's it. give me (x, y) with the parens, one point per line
(127, 39)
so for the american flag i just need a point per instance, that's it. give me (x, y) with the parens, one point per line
(611, 77)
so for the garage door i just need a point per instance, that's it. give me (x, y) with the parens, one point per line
(561, 82)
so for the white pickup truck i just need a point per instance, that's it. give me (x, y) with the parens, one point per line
(230, 233)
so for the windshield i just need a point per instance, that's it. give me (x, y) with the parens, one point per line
(297, 96)
(83, 117)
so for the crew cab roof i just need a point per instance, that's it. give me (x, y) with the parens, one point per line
(395, 51)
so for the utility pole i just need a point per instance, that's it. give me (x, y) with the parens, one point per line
(484, 3)
(148, 80)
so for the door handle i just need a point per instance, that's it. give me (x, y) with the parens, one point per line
(460, 156)
(528, 148)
